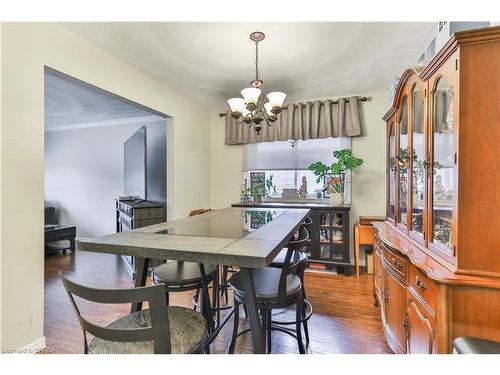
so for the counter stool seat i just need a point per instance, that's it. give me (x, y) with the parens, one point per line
(187, 333)
(176, 274)
(473, 345)
(266, 282)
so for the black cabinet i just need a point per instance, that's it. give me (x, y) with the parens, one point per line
(136, 214)
(329, 243)
(330, 235)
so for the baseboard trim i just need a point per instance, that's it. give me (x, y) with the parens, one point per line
(33, 348)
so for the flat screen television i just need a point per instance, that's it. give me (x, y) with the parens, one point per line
(134, 151)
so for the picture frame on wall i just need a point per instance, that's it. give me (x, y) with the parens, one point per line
(329, 180)
(326, 192)
(257, 178)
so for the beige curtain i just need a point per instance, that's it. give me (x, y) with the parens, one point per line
(310, 120)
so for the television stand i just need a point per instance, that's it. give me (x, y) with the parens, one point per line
(134, 214)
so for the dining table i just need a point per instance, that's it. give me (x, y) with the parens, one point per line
(247, 238)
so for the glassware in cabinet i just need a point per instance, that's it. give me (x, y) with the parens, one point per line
(392, 170)
(418, 163)
(443, 168)
(403, 159)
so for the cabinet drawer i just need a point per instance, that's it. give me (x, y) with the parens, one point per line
(424, 286)
(396, 262)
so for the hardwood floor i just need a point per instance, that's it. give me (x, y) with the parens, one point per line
(344, 320)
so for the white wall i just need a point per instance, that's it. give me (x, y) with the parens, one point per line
(368, 182)
(226, 165)
(84, 174)
(26, 48)
(1, 127)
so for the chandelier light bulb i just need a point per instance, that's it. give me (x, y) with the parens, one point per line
(236, 105)
(276, 99)
(251, 95)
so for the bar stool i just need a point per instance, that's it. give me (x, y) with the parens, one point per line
(474, 345)
(183, 276)
(179, 276)
(299, 256)
(274, 288)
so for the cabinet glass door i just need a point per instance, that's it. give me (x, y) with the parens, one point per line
(332, 229)
(392, 170)
(443, 166)
(418, 167)
(403, 158)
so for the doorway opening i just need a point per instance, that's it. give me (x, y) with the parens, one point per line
(103, 154)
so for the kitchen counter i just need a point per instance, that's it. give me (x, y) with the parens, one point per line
(308, 203)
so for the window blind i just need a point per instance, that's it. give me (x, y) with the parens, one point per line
(291, 155)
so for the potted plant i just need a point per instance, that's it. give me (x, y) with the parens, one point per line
(334, 175)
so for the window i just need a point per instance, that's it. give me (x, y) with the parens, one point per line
(288, 161)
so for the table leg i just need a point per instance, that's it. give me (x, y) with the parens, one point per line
(253, 311)
(142, 265)
(205, 300)
(72, 245)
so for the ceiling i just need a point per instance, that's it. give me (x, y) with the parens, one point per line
(71, 104)
(210, 62)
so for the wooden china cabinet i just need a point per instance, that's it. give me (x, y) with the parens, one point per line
(437, 256)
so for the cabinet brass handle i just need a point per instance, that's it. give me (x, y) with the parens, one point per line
(405, 323)
(396, 264)
(385, 295)
(420, 283)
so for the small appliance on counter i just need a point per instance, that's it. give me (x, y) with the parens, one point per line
(290, 193)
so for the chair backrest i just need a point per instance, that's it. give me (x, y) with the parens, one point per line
(159, 331)
(291, 262)
(308, 223)
(199, 211)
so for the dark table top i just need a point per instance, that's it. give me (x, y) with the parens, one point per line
(246, 237)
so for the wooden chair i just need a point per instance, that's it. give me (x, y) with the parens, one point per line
(274, 288)
(159, 329)
(199, 211)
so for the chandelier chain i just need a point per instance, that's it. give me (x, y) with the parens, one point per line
(256, 60)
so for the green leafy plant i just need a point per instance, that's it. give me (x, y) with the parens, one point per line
(346, 161)
(261, 189)
(258, 218)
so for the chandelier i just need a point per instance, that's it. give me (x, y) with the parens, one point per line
(255, 106)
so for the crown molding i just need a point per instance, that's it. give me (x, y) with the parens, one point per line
(99, 124)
